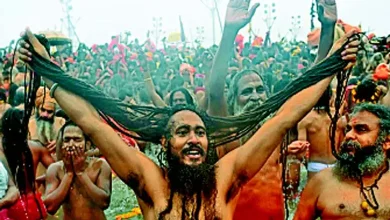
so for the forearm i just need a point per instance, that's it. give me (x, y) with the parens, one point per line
(54, 200)
(97, 195)
(326, 41)
(157, 100)
(76, 108)
(10, 198)
(219, 70)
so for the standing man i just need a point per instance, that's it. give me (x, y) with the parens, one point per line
(82, 185)
(357, 187)
(247, 91)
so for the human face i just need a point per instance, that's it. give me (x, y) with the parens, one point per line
(179, 99)
(72, 138)
(250, 93)
(188, 138)
(363, 129)
(46, 113)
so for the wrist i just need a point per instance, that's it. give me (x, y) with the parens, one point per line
(230, 30)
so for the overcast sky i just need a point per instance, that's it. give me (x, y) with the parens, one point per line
(97, 20)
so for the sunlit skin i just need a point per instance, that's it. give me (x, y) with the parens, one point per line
(332, 197)
(179, 99)
(188, 131)
(314, 130)
(81, 185)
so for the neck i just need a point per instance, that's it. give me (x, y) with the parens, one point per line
(371, 179)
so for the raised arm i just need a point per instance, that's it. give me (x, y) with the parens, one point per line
(327, 15)
(127, 162)
(150, 88)
(254, 153)
(237, 16)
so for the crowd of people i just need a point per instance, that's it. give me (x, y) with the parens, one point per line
(222, 132)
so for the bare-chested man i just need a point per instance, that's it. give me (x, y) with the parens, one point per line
(358, 186)
(247, 90)
(191, 187)
(313, 132)
(82, 185)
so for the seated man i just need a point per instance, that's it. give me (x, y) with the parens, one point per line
(81, 184)
(357, 186)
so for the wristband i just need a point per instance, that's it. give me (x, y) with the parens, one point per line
(53, 89)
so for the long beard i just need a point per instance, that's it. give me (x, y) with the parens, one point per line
(45, 131)
(364, 162)
(189, 180)
(249, 106)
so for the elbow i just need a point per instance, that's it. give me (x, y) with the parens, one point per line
(105, 203)
(50, 207)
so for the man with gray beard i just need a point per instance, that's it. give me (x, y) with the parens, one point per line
(357, 187)
(45, 126)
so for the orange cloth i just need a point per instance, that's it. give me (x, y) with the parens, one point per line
(44, 99)
(382, 72)
(257, 42)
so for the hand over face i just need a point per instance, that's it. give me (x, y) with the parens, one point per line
(78, 158)
(238, 13)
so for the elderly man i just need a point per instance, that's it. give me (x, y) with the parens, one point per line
(357, 187)
(247, 91)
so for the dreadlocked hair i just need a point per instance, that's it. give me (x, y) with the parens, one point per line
(146, 121)
(16, 149)
(15, 130)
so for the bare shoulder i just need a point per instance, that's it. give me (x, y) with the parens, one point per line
(101, 163)
(54, 168)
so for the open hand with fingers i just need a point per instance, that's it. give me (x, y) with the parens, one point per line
(238, 13)
(327, 11)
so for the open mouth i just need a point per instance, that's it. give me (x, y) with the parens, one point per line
(193, 153)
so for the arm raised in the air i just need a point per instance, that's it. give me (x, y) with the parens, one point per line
(244, 162)
(125, 161)
(237, 16)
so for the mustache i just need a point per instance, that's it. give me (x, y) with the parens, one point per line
(40, 118)
(251, 105)
(194, 147)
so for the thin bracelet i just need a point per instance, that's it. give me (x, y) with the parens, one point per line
(148, 79)
(53, 89)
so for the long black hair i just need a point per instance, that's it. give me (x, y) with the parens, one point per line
(145, 121)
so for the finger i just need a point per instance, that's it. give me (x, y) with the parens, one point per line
(25, 52)
(252, 11)
(350, 65)
(31, 37)
(24, 44)
(349, 35)
(353, 50)
(24, 58)
(351, 57)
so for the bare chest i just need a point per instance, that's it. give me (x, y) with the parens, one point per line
(190, 207)
(345, 201)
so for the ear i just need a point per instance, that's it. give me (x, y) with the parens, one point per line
(164, 143)
(386, 144)
(88, 145)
